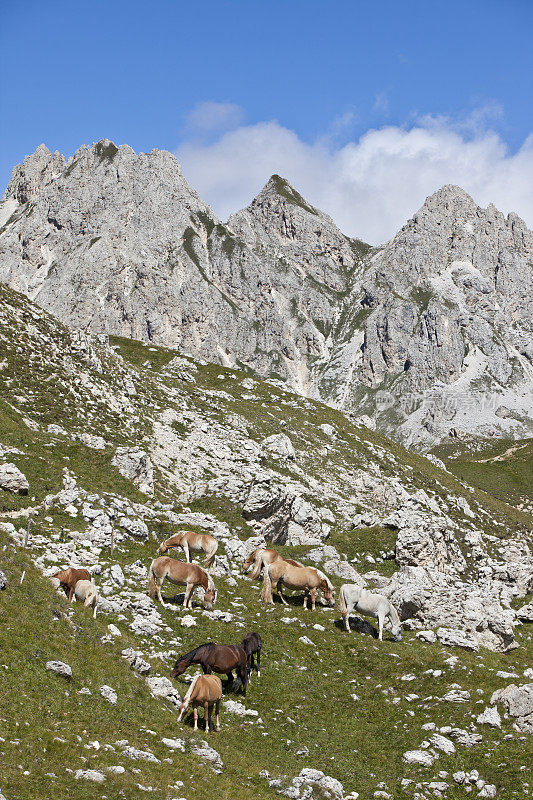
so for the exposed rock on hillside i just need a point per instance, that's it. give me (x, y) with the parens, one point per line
(428, 334)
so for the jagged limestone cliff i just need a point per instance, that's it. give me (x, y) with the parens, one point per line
(427, 334)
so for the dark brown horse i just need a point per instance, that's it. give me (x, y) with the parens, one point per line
(215, 658)
(251, 644)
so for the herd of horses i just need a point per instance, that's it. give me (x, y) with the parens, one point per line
(206, 690)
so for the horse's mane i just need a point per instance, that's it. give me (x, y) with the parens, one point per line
(324, 577)
(394, 614)
(192, 653)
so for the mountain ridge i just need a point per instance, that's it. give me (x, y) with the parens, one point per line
(120, 243)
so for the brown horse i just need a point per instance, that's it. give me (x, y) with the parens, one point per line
(260, 559)
(308, 578)
(206, 691)
(188, 575)
(188, 541)
(68, 579)
(251, 644)
(213, 657)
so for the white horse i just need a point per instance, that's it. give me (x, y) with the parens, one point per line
(87, 593)
(355, 598)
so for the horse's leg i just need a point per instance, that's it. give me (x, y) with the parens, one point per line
(380, 624)
(313, 598)
(217, 715)
(346, 619)
(71, 594)
(206, 715)
(278, 588)
(206, 669)
(258, 656)
(187, 553)
(244, 679)
(158, 590)
(195, 712)
(188, 595)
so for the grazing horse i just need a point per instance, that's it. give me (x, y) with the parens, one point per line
(188, 541)
(308, 578)
(355, 598)
(213, 657)
(206, 691)
(87, 593)
(251, 644)
(68, 579)
(260, 559)
(188, 575)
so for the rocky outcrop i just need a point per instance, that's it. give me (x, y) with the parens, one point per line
(136, 465)
(518, 701)
(13, 480)
(467, 614)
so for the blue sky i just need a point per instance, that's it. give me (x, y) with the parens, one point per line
(297, 86)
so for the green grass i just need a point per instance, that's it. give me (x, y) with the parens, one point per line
(316, 709)
(510, 479)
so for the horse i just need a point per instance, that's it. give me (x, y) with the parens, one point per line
(68, 579)
(355, 598)
(251, 644)
(87, 593)
(261, 558)
(206, 691)
(188, 541)
(308, 578)
(188, 575)
(215, 658)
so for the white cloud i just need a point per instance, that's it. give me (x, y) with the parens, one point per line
(211, 117)
(371, 186)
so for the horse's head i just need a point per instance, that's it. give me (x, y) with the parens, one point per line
(179, 667)
(247, 563)
(397, 632)
(210, 596)
(328, 590)
(162, 548)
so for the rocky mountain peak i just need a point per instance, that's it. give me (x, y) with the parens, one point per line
(36, 171)
(118, 242)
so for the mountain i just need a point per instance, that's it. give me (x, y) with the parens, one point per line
(427, 335)
(115, 444)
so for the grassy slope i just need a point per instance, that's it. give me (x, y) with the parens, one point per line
(503, 468)
(359, 742)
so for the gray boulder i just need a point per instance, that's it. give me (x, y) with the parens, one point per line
(13, 480)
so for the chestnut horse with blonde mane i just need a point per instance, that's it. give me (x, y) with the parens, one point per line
(259, 559)
(183, 574)
(188, 540)
(206, 691)
(68, 579)
(308, 578)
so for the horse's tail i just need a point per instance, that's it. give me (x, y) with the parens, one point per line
(258, 563)
(212, 552)
(187, 698)
(342, 603)
(151, 581)
(267, 585)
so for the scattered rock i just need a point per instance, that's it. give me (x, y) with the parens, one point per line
(109, 694)
(59, 668)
